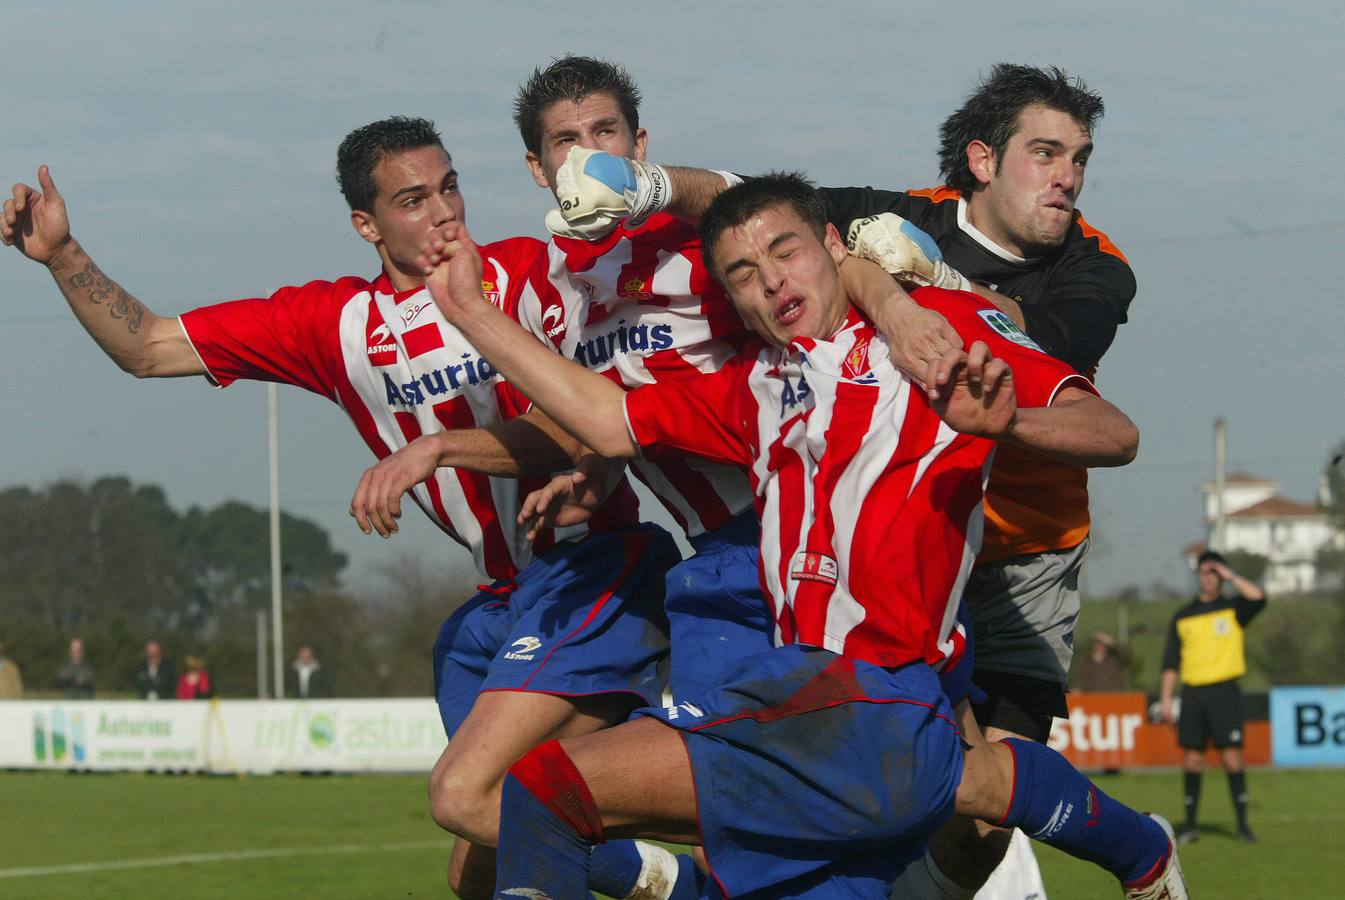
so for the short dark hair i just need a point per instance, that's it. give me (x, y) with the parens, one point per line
(572, 78)
(741, 202)
(1210, 556)
(364, 148)
(990, 114)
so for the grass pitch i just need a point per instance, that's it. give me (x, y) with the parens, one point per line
(152, 836)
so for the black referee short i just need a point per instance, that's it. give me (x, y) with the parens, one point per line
(1019, 703)
(1211, 712)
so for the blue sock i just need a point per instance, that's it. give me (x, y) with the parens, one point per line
(548, 826)
(690, 882)
(616, 868)
(1055, 804)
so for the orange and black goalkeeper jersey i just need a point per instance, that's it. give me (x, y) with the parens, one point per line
(1205, 640)
(1073, 300)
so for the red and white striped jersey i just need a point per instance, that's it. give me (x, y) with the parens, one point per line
(399, 370)
(870, 505)
(640, 307)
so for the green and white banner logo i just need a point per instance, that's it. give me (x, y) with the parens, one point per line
(1006, 329)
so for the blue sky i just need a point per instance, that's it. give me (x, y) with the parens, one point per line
(195, 145)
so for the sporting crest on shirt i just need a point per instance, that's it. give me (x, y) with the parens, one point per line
(490, 291)
(635, 288)
(810, 565)
(856, 362)
(1006, 329)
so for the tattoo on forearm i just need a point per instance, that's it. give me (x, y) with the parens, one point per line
(98, 287)
(92, 280)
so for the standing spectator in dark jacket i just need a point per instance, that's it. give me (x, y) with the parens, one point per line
(75, 676)
(156, 678)
(307, 678)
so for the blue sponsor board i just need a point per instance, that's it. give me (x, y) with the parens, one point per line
(1307, 726)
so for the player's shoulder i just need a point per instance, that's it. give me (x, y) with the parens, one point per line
(963, 309)
(323, 290)
(1192, 607)
(513, 251)
(933, 210)
(664, 230)
(1085, 238)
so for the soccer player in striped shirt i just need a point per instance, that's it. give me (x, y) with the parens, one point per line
(821, 765)
(568, 635)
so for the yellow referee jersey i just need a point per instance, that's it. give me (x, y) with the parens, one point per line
(1205, 640)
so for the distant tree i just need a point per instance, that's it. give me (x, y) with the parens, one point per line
(228, 551)
(1248, 564)
(1331, 556)
(78, 557)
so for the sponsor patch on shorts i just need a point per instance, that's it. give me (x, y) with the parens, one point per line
(811, 566)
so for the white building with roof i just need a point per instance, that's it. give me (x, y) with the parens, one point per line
(1258, 520)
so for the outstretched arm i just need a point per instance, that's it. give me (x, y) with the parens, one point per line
(529, 445)
(35, 222)
(596, 191)
(586, 404)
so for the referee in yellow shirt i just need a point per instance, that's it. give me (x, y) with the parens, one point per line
(1205, 645)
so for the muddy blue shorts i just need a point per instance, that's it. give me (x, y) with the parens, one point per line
(717, 613)
(812, 768)
(585, 618)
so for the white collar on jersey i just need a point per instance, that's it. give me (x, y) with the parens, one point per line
(976, 235)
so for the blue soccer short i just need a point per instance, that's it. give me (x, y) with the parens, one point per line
(717, 613)
(816, 773)
(584, 618)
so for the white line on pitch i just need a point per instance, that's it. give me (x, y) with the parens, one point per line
(190, 859)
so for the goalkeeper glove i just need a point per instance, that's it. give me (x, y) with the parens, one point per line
(597, 190)
(904, 251)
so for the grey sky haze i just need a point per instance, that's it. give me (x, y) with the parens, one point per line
(195, 146)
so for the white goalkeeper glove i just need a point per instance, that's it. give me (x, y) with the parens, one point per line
(904, 251)
(597, 190)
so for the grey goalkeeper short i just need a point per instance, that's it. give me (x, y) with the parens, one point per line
(1023, 612)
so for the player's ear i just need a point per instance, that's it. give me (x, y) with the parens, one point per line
(831, 239)
(365, 226)
(981, 161)
(534, 163)
(641, 143)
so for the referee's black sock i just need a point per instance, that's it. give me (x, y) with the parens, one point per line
(1191, 797)
(1237, 786)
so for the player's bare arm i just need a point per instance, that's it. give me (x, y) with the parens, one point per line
(531, 444)
(1246, 588)
(35, 222)
(1169, 685)
(572, 497)
(922, 343)
(584, 403)
(1078, 427)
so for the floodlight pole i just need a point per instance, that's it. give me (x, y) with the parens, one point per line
(1220, 479)
(277, 624)
(262, 628)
